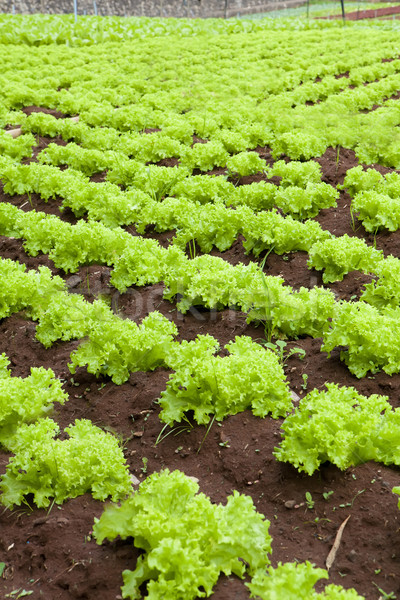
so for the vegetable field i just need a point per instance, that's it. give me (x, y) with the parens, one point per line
(199, 309)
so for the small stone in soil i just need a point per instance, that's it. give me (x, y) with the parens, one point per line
(73, 281)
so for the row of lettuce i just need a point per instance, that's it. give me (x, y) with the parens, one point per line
(88, 30)
(250, 376)
(301, 109)
(214, 283)
(188, 199)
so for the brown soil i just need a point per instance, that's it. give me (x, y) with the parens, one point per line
(28, 110)
(367, 14)
(52, 554)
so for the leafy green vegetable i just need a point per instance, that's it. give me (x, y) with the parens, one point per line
(267, 300)
(70, 316)
(295, 173)
(377, 211)
(341, 426)
(306, 203)
(339, 256)
(385, 292)
(270, 230)
(246, 163)
(250, 377)
(204, 156)
(203, 189)
(29, 290)
(89, 460)
(18, 148)
(295, 581)
(154, 180)
(375, 198)
(367, 335)
(358, 180)
(259, 196)
(187, 540)
(120, 347)
(299, 145)
(24, 400)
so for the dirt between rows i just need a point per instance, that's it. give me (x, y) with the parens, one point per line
(371, 13)
(52, 554)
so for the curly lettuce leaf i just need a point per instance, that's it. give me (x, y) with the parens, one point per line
(341, 426)
(89, 460)
(341, 255)
(296, 581)
(25, 400)
(187, 540)
(249, 377)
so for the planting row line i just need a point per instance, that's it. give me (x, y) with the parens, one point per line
(123, 81)
(183, 102)
(212, 282)
(71, 246)
(301, 193)
(338, 425)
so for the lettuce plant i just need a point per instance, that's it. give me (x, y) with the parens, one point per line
(357, 180)
(187, 540)
(341, 255)
(88, 460)
(249, 377)
(341, 426)
(142, 262)
(259, 196)
(70, 316)
(377, 210)
(269, 230)
(25, 400)
(155, 181)
(299, 145)
(204, 156)
(203, 189)
(296, 173)
(304, 203)
(119, 347)
(385, 290)
(296, 581)
(367, 335)
(268, 300)
(30, 290)
(18, 148)
(246, 163)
